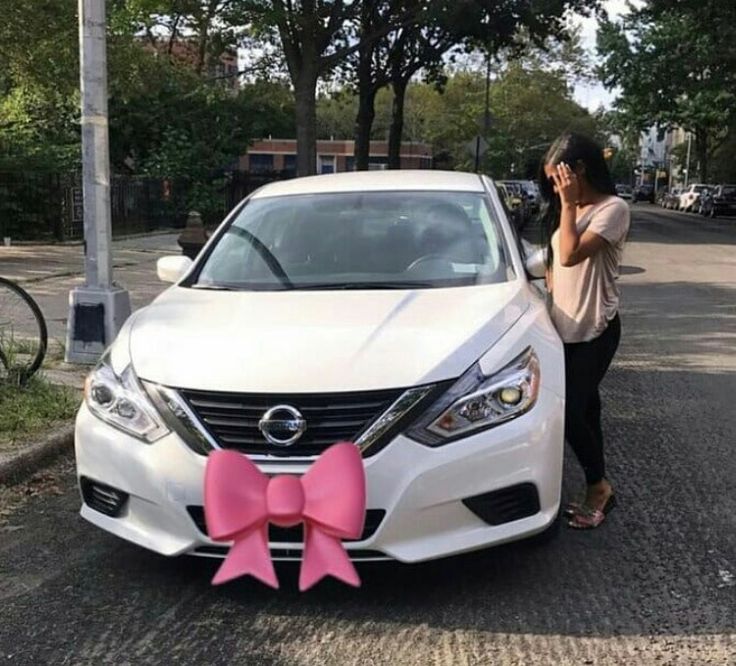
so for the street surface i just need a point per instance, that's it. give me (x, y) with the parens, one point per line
(656, 584)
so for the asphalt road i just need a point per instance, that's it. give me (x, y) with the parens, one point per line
(655, 585)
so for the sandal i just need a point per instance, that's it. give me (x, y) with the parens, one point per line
(573, 507)
(587, 519)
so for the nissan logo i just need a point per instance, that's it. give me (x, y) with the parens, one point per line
(282, 425)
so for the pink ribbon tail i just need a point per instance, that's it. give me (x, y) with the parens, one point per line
(249, 556)
(324, 555)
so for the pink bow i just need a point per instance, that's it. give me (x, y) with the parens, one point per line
(240, 501)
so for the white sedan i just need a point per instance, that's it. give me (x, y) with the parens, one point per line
(390, 309)
(689, 199)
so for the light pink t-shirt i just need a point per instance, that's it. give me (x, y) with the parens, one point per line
(585, 297)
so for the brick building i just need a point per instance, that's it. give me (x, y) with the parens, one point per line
(269, 155)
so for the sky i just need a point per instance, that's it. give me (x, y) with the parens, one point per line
(593, 96)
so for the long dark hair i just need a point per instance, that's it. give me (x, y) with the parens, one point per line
(572, 149)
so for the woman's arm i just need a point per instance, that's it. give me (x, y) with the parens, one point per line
(574, 248)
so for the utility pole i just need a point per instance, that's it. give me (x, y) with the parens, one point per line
(98, 309)
(486, 113)
(687, 167)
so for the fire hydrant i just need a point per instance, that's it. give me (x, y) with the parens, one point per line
(194, 236)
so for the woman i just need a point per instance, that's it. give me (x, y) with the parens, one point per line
(585, 225)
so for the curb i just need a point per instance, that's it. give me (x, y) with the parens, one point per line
(32, 458)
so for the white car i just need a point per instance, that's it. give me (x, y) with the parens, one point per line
(689, 199)
(391, 309)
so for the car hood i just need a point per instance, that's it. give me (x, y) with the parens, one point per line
(319, 341)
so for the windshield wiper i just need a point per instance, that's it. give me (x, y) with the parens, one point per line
(344, 286)
(268, 257)
(213, 287)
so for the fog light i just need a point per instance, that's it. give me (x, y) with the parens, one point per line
(103, 498)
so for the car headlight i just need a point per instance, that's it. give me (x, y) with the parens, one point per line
(477, 402)
(121, 402)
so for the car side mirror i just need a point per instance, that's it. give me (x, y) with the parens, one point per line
(172, 269)
(535, 260)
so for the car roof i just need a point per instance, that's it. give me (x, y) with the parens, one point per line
(375, 181)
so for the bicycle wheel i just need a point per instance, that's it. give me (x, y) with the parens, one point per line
(23, 334)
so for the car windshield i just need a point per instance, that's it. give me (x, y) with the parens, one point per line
(700, 188)
(366, 240)
(728, 191)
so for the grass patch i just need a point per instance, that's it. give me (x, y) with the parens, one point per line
(34, 407)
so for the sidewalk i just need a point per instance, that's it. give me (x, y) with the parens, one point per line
(50, 272)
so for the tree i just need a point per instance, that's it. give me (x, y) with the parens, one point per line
(313, 37)
(38, 85)
(179, 126)
(211, 27)
(470, 24)
(675, 63)
(316, 36)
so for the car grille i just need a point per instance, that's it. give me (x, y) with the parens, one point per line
(232, 418)
(276, 534)
(294, 554)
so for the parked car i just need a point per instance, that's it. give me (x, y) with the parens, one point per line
(513, 206)
(530, 191)
(644, 192)
(395, 313)
(625, 192)
(672, 199)
(516, 190)
(718, 200)
(689, 198)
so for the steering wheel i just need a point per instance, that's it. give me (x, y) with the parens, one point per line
(427, 257)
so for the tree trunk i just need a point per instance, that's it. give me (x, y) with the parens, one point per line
(201, 60)
(363, 126)
(397, 124)
(305, 89)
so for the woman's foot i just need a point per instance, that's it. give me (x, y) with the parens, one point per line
(599, 500)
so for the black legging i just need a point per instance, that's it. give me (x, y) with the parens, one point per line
(585, 365)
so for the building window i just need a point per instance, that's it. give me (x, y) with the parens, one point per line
(350, 163)
(290, 163)
(425, 163)
(260, 162)
(325, 164)
(377, 163)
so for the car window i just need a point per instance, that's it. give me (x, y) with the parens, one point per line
(364, 239)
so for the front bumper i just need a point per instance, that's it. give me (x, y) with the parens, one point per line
(421, 489)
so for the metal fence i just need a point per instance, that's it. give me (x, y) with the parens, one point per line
(48, 207)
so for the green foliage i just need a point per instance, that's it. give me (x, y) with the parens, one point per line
(34, 407)
(529, 108)
(531, 103)
(166, 119)
(336, 115)
(199, 132)
(675, 64)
